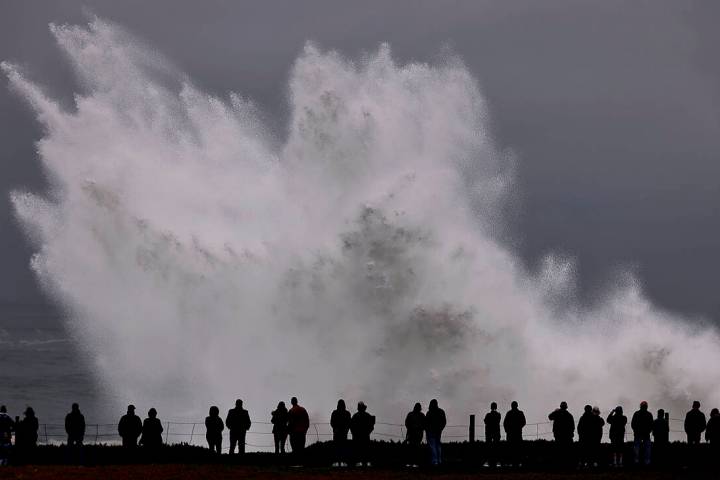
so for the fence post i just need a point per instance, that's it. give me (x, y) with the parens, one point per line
(192, 432)
(471, 433)
(167, 432)
(46, 435)
(97, 432)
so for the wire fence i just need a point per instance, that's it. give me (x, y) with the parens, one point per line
(260, 436)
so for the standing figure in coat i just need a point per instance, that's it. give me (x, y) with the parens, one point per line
(75, 426)
(492, 433)
(513, 424)
(712, 435)
(435, 422)
(279, 420)
(415, 429)
(695, 424)
(152, 429)
(238, 422)
(661, 436)
(298, 425)
(130, 428)
(361, 426)
(214, 427)
(340, 424)
(617, 422)
(7, 426)
(26, 435)
(641, 424)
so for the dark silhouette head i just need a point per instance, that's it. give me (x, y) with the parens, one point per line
(514, 405)
(417, 408)
(214, 411)
(433, 404)
(587, 409)
(29, 412)
(341, 405)
(152, 413)
(618, 410)
(596, 410)
(696, 405)
(493, 406)
(563, 405)
(238, 403)
(667, 416)
(131, 410)
(643, 405)
(361, 407)
(75, 407)
(661, 413)
(281, 406)
(3, 409)
(293, 401)
(714, 412)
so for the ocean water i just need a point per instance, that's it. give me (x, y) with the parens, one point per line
(41, 366)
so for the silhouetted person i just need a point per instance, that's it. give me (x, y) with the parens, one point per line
(661, 435)
(661, 429)
(7, 425)
(513, 424)
(596, 435)
(435, 422)
(26, 434)
(695, 424)
(564, 432)
(584, 430)
(152, 429)
(130, 428)
(238, 422)
(492, 433)
(298, 425)
(340, 423)
(361, 426)
(75, 426)
(415, 429)
(279, 420)
(712, 435)
(617, 422)
(214, 427)
(641, 424)
(590, 429)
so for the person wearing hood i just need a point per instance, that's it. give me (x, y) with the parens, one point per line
(152, 429)
(214, 427)
(712, 435)
(584, 430)
(435, 422)
(361, 426)
(340, 424)
(279, 420)
(414, 431)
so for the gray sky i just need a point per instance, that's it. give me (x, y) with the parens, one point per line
(612, 107)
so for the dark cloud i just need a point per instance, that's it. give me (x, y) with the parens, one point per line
(611, 106)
